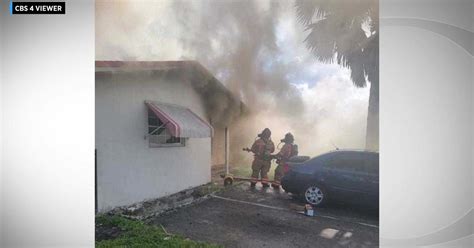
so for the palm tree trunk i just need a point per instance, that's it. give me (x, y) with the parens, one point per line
(372, 132)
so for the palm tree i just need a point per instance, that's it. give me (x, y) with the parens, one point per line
(347, 31)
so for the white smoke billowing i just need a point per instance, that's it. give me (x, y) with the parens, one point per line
(255, 48)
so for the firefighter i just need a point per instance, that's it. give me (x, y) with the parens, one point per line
(287, 151)
(262, 148)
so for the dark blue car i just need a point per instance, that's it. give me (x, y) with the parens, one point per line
(341, 175)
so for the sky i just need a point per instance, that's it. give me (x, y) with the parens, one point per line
(257, 50)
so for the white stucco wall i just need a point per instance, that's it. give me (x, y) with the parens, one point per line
(128, 171)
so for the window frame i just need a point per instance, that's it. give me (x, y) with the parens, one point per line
(160, 125)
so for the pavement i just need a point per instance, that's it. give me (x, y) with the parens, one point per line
(240, 216)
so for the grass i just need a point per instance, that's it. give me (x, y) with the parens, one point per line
(134, 233)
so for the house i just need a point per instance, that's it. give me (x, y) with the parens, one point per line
(160, 125)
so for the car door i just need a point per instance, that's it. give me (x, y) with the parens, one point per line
(372, 167)
(346, 175)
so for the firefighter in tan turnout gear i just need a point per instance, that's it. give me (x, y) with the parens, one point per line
(262, 148)
(287, 151)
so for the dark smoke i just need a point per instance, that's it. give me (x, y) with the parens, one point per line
(246, 36)
(238, 42)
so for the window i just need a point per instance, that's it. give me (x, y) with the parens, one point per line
(348, 163)
(158, 135)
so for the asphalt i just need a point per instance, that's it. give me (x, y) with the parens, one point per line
(240, 216)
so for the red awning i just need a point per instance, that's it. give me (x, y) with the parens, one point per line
(180, 121)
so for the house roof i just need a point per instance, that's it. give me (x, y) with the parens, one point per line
(204, 82)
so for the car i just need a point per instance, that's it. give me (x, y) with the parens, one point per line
(350, 176)
(293, 162)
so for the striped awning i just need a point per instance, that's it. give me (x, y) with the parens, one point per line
(180, 121)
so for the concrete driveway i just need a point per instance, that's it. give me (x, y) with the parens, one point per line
(243, 217)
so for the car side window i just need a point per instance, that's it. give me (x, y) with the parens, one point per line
(347, 163)
(317, 161)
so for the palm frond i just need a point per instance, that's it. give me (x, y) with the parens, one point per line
(322, 46)
(371, 55)
(337, 34)
(356, 63)
(306, 10)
